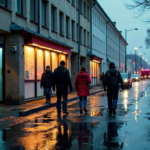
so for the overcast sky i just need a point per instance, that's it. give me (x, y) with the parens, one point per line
(117, 12)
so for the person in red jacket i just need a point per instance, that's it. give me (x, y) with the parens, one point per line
(81, 83)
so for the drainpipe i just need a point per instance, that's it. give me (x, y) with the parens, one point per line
(39, 17)
(79, 44)
(91, 23)
(106, 42)
(119, 53)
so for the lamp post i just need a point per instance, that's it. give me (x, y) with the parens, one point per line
(136, 48)
(140, 60)
(126, 31)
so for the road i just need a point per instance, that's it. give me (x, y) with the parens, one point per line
(96, 130)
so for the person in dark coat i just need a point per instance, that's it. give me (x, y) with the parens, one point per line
(62, 80)
(81, 83)
(102, 79)
(112, 79)
(47, 83)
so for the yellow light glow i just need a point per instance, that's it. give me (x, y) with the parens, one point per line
(35, 44)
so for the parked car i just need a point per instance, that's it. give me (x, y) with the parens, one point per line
(135, 77)
(127, 80)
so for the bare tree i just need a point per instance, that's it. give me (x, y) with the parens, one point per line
(141, 7)
(147, 39)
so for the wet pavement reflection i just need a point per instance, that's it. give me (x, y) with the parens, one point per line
(96, 130)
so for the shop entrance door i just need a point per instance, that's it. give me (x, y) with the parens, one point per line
(1, 74)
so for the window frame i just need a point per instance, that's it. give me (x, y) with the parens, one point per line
(33, 11)
(5, 6)
(67, 26)
(73, 29)
(21, 8)
(61, 23)
(45, 3)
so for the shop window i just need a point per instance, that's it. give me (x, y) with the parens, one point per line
(40, 65)
(33, 10)
(53, 18)
(54, 59)
(47, 58)
(19, 7)
(29, 90)
(62, 57)
(40, 92)
(3, 3)
(29, 63)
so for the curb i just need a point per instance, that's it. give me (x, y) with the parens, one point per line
(36, 109)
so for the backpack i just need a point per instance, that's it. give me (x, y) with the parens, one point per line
(113, 80)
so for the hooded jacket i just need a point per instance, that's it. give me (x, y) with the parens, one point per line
(47, 79)
(81, 83)
(112, 79)
(62, 78)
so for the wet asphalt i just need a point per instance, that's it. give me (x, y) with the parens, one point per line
(96, 130)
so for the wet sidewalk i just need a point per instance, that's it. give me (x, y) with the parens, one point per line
(37, 105)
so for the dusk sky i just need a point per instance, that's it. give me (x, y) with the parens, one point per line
(125, 20)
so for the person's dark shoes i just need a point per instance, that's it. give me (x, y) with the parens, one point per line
(59, 111)
(46, 102)
(65, 113)
(85, 110)
(81, 111)
(114, 111)
(49, 101)
(110, 112)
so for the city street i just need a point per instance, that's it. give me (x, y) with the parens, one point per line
(96, 130)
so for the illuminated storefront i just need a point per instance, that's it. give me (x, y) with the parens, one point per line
(37, 55)
(95, 70)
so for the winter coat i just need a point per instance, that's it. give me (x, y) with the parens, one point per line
(62, 78)
(102, 77)
(81, 84)
(112, 79)
(47, 79)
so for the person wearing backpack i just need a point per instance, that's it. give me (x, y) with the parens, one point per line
(62, 81)
(47, 83)
(112, 79)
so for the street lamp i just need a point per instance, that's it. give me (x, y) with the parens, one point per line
(126, 31)
(136, 48)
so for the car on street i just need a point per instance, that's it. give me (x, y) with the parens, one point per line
(135, 77)
(127, 80)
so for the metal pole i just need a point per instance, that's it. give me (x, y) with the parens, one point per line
(39, 17)
(79, 44)
(135, 60)
(126, 51)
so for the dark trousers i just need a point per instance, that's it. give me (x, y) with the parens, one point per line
(60, 93)
(48, 93)
(112, 95)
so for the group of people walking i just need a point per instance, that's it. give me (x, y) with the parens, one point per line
(60, 80)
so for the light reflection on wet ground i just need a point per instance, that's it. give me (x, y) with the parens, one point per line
(96, 130)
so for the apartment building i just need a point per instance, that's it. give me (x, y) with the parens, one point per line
(36, 33)
(108, 43)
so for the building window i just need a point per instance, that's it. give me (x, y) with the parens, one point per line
(73, 30)
(81, 6)
(81, 34)
(77, 4)
(73, 2)
(44, 13)
(61, 23)
(3, 3)
(19, 7)
(77, 33)
(33, 10)
(88, 12)
(85, 9)
(88, 39)
(53, 16)
(84, 37)
(67, 27)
